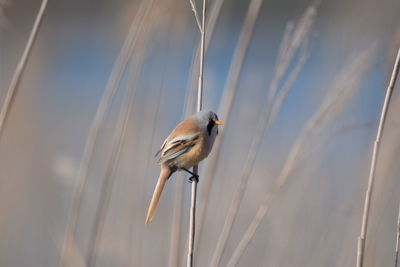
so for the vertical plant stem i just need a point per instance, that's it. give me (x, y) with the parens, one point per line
(192, 220)
(174, 252)
(1, 49)
(105, 102)
(201, 63)
(175, 235)
(137, 256)
(225, 106)
(20, 67)
(3, 20)
(364, 224)
(107, 187)
(342, 91)
(397, 239)
(268, 113)
(196, 15)
(118, 142)
(212, 16)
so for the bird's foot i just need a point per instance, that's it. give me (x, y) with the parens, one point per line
(194, 178)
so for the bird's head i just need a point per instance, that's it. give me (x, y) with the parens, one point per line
(209, 121)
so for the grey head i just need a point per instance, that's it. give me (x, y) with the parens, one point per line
(208, 121)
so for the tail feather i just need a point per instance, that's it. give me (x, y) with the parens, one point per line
(164, 174)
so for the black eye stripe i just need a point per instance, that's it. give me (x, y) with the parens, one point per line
(210, 125)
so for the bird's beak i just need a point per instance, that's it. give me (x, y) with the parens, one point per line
(218, 123)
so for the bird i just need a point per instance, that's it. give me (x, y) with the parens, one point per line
(189, 143)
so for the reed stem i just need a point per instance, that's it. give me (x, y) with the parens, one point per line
(192, 225)
(12, 89)
(397, 239)
(368, 193)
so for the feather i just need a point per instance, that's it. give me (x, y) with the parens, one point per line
(178, 146)
(164, 175)
(185, 138)
(176, 154)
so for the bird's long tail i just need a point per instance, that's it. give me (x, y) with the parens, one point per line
(164, 174)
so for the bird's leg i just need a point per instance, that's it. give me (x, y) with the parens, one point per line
(192, 173)
(194, 177)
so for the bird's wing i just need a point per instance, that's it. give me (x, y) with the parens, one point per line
(178, 146)
(157, 155)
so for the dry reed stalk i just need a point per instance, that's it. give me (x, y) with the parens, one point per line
(288, 48)
(178, 198)
(396, 260)
(188, 110)
(75, 257)
(105, 102)
(192, 218)
(348, 128)
(287, 85)
(116, 148)
(368, 193)
(176, 225)
(179, 188)
(196, 15)
(106, 190)
(1, 43)
(3, 20)
(346, 86)
(226, 104)
(211, 23)
(4, 24)
(290, 44)
(201, 61)
(12, 89)
(174, 245)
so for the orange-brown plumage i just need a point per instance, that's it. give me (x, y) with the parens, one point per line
(188, 144)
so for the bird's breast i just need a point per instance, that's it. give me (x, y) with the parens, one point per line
(196, 154)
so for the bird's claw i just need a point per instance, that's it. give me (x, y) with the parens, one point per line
(194, 178)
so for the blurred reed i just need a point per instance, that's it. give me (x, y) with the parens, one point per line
(225, 107)
(291, 42)
(347, 83)
(12, 89)
(348, 128)
(396, 260)
(4, 23)
(74, 257)
(116, 75)
(211, 22)
(118, 142)
(137, 255)
(196, 16)
(178, 195)
(199, 106)
(368, 193)
(179, 182)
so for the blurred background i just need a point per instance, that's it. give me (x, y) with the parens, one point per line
(299, 86)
